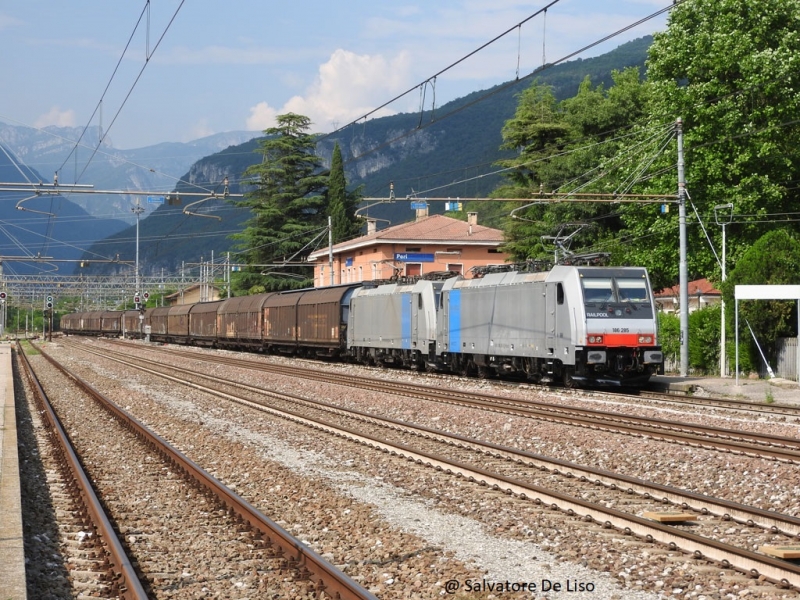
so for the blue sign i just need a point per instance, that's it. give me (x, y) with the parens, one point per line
(155, 199)
(413, 257)
(419, 205)
(348, 262)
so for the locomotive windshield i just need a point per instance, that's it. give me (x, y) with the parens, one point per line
(616, 296)
(598, 290)
(632, 290)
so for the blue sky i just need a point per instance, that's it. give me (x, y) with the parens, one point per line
(224, 66)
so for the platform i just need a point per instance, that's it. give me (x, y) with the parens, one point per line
(776, 390)
(12, 550)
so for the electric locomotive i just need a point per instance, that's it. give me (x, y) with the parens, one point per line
(576, 325)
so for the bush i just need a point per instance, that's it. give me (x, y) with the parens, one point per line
(704, 340)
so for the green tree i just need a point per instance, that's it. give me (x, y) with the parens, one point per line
(772, 260)
(565, 147)
(341, 203)
(288, 207)
(730, 69)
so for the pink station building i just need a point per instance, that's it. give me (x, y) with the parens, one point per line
(429, 244)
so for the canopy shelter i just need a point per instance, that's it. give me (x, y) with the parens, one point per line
(767, 292)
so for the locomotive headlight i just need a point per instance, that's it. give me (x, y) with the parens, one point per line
(645, 339)
(595, 339)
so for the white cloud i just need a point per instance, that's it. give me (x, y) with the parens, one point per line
(348, 86)
(262, 116)
(57, 117)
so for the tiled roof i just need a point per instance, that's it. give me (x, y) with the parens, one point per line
(433, 229)
(701, 286)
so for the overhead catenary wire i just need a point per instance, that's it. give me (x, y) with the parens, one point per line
(108, 85)
(133, 86)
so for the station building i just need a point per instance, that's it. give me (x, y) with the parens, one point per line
(702, 293)
(430, 244)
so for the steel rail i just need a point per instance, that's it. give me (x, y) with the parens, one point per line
(307, 562)
(756, 565)
(701, 503)
(125, 582)
(754, 444)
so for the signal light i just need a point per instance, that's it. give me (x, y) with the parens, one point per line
(49, 305)
(2, 295)
(136, 299)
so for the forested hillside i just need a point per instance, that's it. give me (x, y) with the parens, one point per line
(460, 140)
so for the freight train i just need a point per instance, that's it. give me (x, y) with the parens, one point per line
(580, 326)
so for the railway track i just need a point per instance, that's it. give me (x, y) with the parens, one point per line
(99, 562)
(785, 449)
(170, 506)
(557, 484)
(680, 399)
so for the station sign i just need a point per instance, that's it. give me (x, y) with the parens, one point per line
(413, 257)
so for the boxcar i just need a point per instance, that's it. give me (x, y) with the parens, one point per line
(91, 322)
(71, 323)
(280, 321)
(133, 324)
(178, 323)
(322, 317)
(110, 322)
(240, 322)
(203, 323)
(158, 323)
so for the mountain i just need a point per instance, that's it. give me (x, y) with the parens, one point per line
(150, 168)
(47, 226)
(417, 152)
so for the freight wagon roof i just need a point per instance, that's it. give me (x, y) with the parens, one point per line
(325, 295)
(204, 307)
(282, 299)
(180, 309)
(243, 304)
(161, 311)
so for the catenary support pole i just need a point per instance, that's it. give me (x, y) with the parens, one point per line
(683, 269)
(330, 246)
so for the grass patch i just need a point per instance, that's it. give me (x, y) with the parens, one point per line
(29, 348)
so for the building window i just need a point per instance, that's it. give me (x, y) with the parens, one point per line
(321, 276)
(361, 273)
(455, 267)
(413, 269)
(494, 251)
(413, 248)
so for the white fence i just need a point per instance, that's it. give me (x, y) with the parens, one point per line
(787, 358)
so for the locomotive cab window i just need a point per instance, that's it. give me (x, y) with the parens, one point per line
(632, 290)
(560, 293)
(598, 290)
